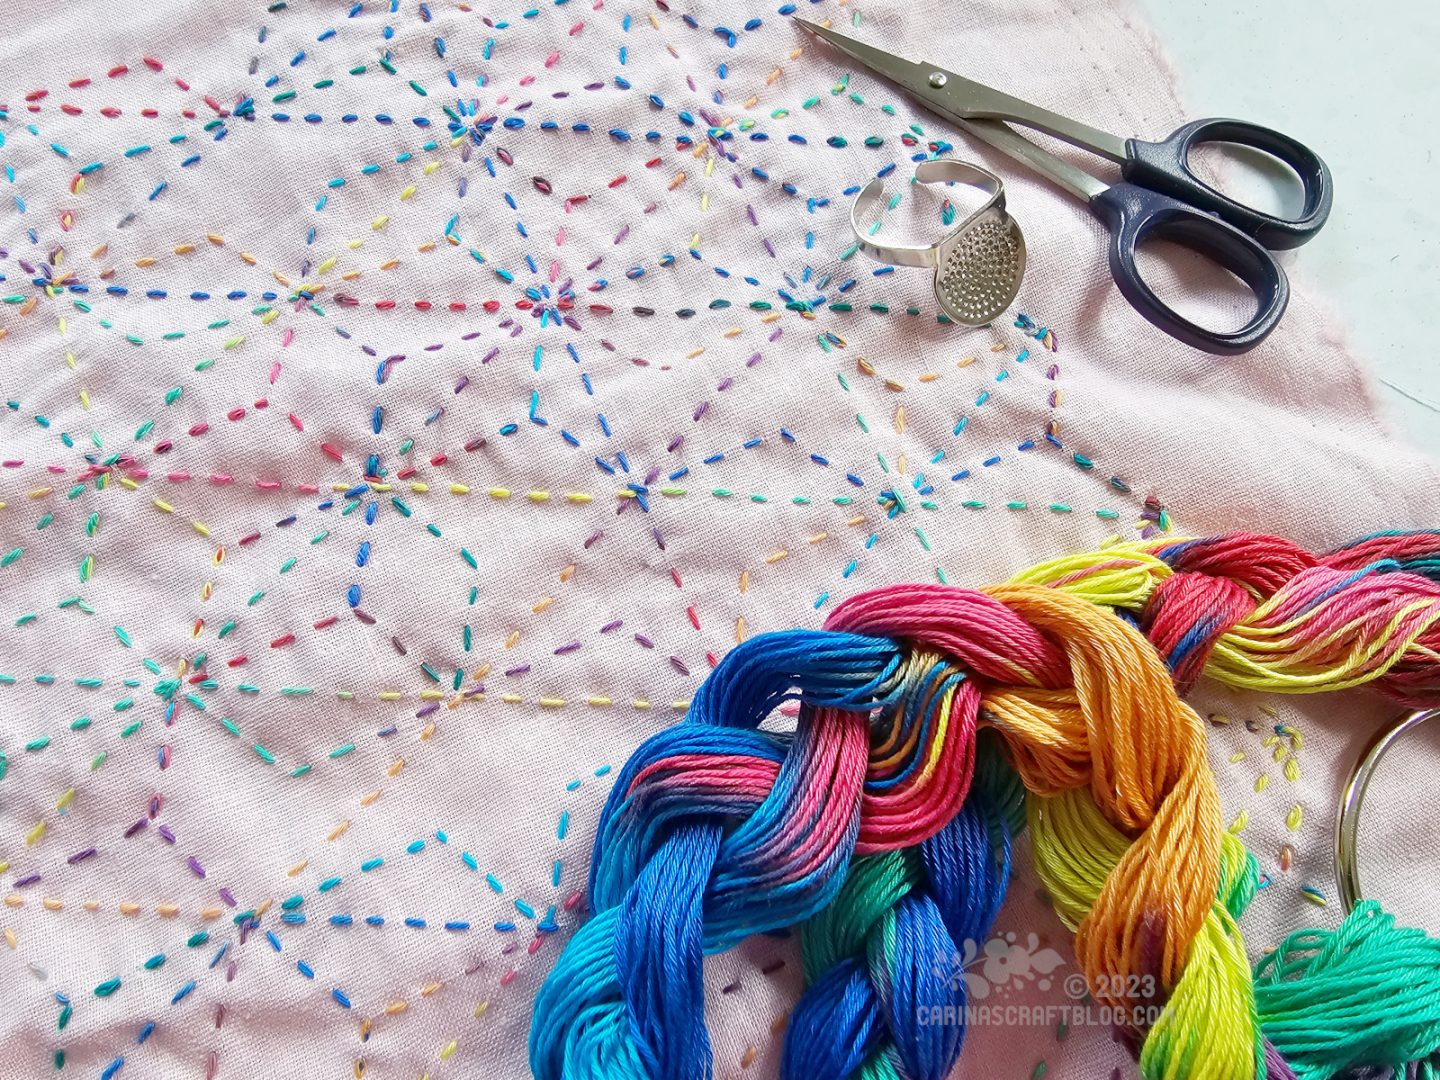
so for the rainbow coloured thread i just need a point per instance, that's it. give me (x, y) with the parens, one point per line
(883, 820)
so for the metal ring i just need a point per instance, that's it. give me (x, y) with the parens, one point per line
(1347, 821)
(934, 171)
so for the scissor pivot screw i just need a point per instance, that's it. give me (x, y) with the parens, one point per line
(937, 79)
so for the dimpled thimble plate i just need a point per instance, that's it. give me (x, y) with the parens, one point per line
(980, 269)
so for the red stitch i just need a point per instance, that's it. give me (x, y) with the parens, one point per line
(712, 658)
(439, 459)
(36, 95)
(163, 447)
(524, 305)
(492, 305)
(214, 104)
(577, 28)
(550, 60)
(76, 84)
(33, 108)
(384, 305)
(617, 181)
(153, 64)
(268, 485)
(406, 473)
(237, 413)
(308, 489)
(189, 114)
(457, 305)
(181, 83)
(200, 428)
(177, 477)
(332, 451)
(150, 114)
(117, 71)
(71, 110)
(221, 478)
(111, 111)
(284, 639)
(601, 309)
(249, 539)
(323, 623)
(675, 577)
(199, 676)
(423, 305)
(262, 403)
(652, 163)
(694, 619)
(535, 944)
(239, 659)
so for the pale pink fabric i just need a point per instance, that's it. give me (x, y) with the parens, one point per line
(1286, 439)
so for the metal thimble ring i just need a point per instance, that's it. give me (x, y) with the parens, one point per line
(978, 265)
(1347, 820)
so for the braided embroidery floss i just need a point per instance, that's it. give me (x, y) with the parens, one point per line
(882, 822)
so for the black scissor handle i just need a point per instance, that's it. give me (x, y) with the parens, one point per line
(1135, 214)
(1165, 167)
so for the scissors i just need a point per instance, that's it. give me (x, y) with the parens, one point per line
(1160, 197)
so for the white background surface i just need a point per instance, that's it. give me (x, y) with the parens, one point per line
(1358, 83)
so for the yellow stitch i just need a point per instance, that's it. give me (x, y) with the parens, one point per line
(999, 346)
(740, 630)
(339, 487)
(511, 699)
(326, 266)
(390, 695)
(640, 703)
(481, 672)
(795, 54)
(84, 398)
(211, 913)
(1262, 782)
(201, 528)
(429, 245)
(40, 492)
(395, 769)
(430, 168)
(512, 639)
(247, 258)
(269, 316)
(567, 573)
(167, 911)
(91, 905)
(928, 377)
(389, 264)
(538, 496)
(396, 1007)
(966, 362)
(52, 903)
(1292, 770)
(379, 222)
(543, 603)
(552, 703)
(66, 798)
(751, 102)
(1237, 826)
(14, 901)
(184, 249)
(145, 261)
(339, 830)
(1294, 818)
(858, 519)
(694, 353)
(281, 278)
(748, 1057)
(864, 364)
(431, 695)
(129, 907)
(744, 581)
(449, 1049)
(162, 505)
(427, 731)
(369, 797)
(218, 241)
(355, 245)
(705, 202)
(895, 385)
(627, 494)
(100, 252)
(680, 706)
(381, 486)
(70, 360)
(734, 331)
(35, 834)
(901, 462)
(126, 482)
(770, 79)
(599, 702)
(816, 538)
(11, 939)
(419, 487)
(776, 556)
(459, 489)
(578, 496)
(407, 193)
(297, 868)
(900, 421)
(430, 988)
(770, 317)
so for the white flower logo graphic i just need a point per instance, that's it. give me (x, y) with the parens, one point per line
(1004, 963)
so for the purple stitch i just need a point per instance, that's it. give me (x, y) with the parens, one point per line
(701, 410)
(81, 856)
(133, 829)
(521, 670)
(227, 896)
(679, 665)
(659, 540)
(385, 733)
(427, 710)
(593, 537)
(364, 616)
(675, 444)
(571, 647)
(399, 645)
(750, 211)
(773, 337)
(609, 626)
(29, 879)
(644, 641)
(725, 384)
(768, 246)
(195, 867)
(166, 834)
(652, 476)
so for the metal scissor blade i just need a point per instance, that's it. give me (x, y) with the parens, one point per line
(959, 98)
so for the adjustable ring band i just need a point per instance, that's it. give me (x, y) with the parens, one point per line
(978, 265)
(940, 170)
(1347, 821)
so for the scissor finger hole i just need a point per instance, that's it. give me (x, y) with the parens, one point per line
(1194, 287)
(1395, 854)
(1249, 176)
